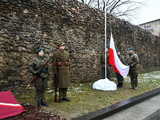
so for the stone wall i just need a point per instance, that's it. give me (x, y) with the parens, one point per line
(27, 24)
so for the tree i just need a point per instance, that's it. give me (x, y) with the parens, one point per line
(88, 2)
(118, 8)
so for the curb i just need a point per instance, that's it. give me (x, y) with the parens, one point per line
(108, 111)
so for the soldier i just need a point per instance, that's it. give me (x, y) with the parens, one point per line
(61, 65)
(133, 61)
(118, 75)
(39, 69)
(102, 61)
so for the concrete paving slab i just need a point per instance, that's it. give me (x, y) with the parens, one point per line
(139, 111)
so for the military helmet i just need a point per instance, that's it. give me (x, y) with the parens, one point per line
(130, 49)
(60, 44)
(39, 49)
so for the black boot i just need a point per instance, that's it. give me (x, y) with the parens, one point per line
(65, 95)
(66, 99)
(44, 103)
(120, 85)
(61, 100)
(61, 95)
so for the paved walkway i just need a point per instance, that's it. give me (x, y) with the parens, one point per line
(138, 111)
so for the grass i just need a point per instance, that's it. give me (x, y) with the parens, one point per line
(84, 99)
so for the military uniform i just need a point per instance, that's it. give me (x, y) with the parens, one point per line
(61, 63)
(102, 62)
(133, 61)
(39, 69)
(119, 76)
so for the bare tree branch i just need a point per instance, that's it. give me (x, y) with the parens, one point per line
(114, 5)
(117, 8)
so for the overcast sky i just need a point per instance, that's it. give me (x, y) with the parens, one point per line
(147, 12)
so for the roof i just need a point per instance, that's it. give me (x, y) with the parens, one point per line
(150, 22)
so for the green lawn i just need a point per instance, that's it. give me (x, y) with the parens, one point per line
(84, 99)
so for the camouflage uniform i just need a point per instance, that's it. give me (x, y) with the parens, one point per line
(133, 61)
(39, 69)
(61, 62)
(119, 76)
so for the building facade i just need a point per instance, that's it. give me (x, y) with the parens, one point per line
(152, 26)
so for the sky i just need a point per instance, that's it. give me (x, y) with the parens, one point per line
(148, 11)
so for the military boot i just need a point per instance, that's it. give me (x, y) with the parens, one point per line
(61, 95)
(43, 103)
(65, 98)
(120, 85)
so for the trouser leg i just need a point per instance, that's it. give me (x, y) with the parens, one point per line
(43, 100)
(132, 81)
(38, 97)
(108, 73)
(60, 93)
(65, 98)
(102, 72)
(65, 92)
(42, 90)
(135, 80)
(119, 80)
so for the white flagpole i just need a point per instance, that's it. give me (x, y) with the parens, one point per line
(105, 41)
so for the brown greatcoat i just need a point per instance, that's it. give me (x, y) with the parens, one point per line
(62, 68)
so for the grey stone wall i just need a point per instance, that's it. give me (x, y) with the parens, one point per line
(27, 24)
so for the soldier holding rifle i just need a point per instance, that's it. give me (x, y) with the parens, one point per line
(39, 70)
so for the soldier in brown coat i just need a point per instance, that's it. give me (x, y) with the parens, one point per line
(62, 71)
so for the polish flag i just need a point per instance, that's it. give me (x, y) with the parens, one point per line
(9, 106)
(114, 60)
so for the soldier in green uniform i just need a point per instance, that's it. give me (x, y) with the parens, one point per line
(61, 62)
(133, 61)
(39, 69)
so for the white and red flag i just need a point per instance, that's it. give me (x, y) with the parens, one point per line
(8, 105)
(114, 60)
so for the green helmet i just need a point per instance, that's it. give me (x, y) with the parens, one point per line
(39, 49)
(130, 49)
(60, 44)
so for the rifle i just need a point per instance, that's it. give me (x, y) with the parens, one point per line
(40, 68)
(36, 72)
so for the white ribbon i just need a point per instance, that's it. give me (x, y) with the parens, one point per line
(9, 104)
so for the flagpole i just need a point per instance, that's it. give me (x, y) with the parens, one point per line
(105, 41)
